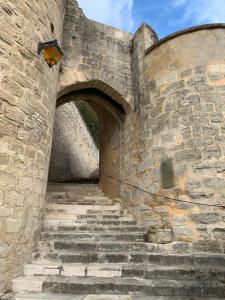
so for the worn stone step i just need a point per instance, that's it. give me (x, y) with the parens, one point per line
(89, 257)
(51, 296)
(74, 209)
(68, 198)
(138, 257)
(94, 218)
(90, 229)
(47, 268)
(83, 209)
(107, 217)
(73, 221)
(130, 237)
(173, 272)
(87, 246)
(44, 268)
(45, 296)
(92, 192)
(79, 201)
(78, 188)
(147, 271)
(118, 286)
(73, 226)
(88, 219)
(90, 215)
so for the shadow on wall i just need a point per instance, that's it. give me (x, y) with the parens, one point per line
(167, 174)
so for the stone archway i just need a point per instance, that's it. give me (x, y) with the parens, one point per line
(111, 114)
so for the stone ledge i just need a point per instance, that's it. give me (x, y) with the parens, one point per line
(185, 31)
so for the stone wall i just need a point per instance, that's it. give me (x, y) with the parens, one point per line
(27, 105)
(166, 107)
(179, 134)
(74, 154)
(96, 55)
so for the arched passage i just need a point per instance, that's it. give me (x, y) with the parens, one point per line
(111, 114)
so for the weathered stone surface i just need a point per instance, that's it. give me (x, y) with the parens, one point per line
(219, 233)
(74, 153)
(160, 236)
(13, 226)
(108, 297)
(182, 233)
(206, 218)
(99, 267)
(207, 246)
(153, 221)
(24, 25)
(176, 120)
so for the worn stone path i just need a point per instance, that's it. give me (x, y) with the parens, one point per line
(92, 249)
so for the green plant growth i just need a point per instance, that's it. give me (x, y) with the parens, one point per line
(91, 120)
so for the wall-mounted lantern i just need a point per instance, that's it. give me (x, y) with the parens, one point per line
(52, 52)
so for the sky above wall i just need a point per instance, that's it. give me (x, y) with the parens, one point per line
(165, 16)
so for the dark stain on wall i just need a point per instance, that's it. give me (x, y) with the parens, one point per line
(167, 174)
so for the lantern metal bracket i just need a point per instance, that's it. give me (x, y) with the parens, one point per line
(42, 46)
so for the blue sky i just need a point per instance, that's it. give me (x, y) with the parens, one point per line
(165, 16)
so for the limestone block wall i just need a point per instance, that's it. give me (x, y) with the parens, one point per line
(74, 154)
(27, 104)
(178, 141)
(95, 53)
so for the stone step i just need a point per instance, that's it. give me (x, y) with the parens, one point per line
(79, 201)
(44, 296)
(103, 228)
(74, 270)
(147, 271)
(74, 209)
(86, 218)
(51, 221)
(92, 187)
(76, 191)
(67, 197)
(95, 197)
(138, 257)
(48, 296)
(173, 272)
(87, 246)
(118, 286)
(130, 237)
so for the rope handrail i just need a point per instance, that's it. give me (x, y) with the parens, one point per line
(163, 196)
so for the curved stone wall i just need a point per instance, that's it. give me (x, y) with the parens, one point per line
(74, 154)
(186, 77)
(181, 129)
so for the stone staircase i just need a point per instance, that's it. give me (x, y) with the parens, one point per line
(92, 249)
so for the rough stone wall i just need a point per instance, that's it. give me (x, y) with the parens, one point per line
(74, 154)
(156, 149)
(110, 155)
(27, 104)
(179, 134)
(95, 53)
(110, 121)
(172, 144)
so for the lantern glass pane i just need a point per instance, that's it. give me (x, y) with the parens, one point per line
(48, 53)
(52, 55)
(57, 55)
